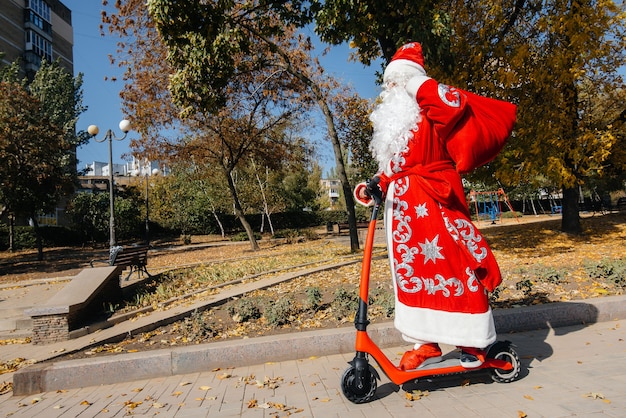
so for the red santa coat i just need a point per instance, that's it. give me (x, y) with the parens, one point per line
(441, 265)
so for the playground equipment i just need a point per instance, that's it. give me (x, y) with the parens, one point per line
(488, 205)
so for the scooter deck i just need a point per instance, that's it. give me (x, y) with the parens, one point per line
(447, 366)
(444, 363)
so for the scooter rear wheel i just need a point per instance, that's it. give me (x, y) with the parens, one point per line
(355, 391)
(506, 376)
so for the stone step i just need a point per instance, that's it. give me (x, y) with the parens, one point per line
(15, 323)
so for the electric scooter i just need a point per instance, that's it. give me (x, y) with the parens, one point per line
(359, 381)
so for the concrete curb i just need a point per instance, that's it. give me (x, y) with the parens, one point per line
(46, 377)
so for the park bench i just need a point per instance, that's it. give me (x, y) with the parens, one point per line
(342, 227)
(78, 302)
(133, 256)
(621, 203)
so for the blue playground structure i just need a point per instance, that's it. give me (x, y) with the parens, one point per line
(488, 205)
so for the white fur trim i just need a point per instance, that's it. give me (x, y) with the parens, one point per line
(453, 328)
(359, 200)
(414, 84)
(402, 67)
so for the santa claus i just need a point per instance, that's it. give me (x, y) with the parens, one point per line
(425, 134)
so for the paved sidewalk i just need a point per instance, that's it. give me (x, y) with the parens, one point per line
(567, 371)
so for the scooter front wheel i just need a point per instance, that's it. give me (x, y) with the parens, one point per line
(358, 390)
(506, 353)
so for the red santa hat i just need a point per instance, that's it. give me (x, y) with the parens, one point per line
(407, 61)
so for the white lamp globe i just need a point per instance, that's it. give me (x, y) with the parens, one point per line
(93, 130)
(125, 125)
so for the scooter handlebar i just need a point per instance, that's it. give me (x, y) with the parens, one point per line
(373, 190)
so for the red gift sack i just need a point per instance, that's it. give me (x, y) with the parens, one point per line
(482, 133)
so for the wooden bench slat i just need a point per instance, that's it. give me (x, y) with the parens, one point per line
(134, 256)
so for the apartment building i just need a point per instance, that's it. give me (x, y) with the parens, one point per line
(33, 30)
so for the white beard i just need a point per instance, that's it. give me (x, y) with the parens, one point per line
(393, 119)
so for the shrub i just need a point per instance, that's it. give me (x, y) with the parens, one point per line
(313, 298)
(345, 303)
(608, 270)
(526, 286)
(549, 274)
(244, 310)
(280, 312)
(242, 236)
(385, 298)
(197, 327)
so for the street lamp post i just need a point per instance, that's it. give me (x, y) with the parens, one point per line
(110, 136)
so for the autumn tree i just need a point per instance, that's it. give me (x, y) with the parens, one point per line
(185, 199)
(32, 154)
(156, 108)
(355, 132)
(206, 42)
(252, 126)
(559, 61)
(376, 28)
(89, 214)
(61, 97)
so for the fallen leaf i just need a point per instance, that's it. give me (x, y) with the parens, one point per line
(158, 405)
(521, 414)
(416, 395)
(530, 398)
(86, 403)
(177, 393)
(205, 388)
(132, 405)
(252, 403)
(594, 395)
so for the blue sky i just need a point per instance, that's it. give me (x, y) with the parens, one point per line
(91, 57)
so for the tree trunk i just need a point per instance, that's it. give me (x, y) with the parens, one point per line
(217, 219)
(11, 233)
(266, 208)
(570, 221)
(341, 171)
(239, 211)
(38, 238)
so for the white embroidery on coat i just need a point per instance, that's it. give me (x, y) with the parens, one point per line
(431, 250)
(443, 285)
(449, 95)
(421, 211)
(464, 231)
(472, 281)
(471, 238)
(405, 255)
